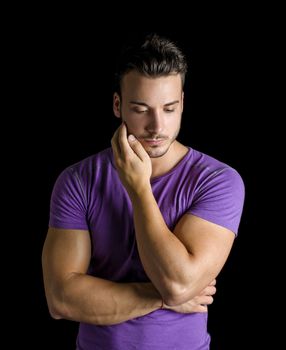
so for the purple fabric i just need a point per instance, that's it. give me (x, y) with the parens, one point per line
(90, 196)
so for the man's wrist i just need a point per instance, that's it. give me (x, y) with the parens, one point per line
(148, 291)
(140, 191)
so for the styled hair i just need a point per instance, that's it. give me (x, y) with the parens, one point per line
(156, 56)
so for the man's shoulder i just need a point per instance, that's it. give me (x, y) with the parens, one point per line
(204, 161)
(100, 158)
(89, 166)
(205, 167)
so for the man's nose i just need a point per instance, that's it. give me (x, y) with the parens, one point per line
(156, 123)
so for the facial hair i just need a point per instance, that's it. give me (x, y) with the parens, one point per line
(155, 151)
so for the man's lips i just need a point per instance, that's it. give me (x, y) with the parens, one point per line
(153, 142)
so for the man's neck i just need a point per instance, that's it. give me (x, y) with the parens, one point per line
(169, 160)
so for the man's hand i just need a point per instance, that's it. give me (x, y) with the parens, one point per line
(132, 161)
(197, 304)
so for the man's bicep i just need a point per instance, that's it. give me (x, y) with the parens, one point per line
(209, 245)
(65, 252)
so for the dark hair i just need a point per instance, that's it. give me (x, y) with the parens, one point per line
(156, 56)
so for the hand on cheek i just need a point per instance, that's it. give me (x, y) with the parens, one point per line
(131, 160)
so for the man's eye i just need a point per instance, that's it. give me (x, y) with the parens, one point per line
(141, 111)
(169, 110)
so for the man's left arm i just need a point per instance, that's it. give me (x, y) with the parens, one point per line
(181, 263)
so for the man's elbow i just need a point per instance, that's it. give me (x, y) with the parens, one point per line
(176, 295)
(55, 315)
(57, 308)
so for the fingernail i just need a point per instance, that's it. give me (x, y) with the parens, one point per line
(131, 138)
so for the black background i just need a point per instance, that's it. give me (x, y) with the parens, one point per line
(62, 71)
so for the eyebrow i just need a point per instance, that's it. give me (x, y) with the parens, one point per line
(146, 105)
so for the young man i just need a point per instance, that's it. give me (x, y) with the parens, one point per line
(139, 232)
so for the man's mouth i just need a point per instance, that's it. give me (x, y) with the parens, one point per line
(153, 142)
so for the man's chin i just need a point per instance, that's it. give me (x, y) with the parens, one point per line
(156, 152)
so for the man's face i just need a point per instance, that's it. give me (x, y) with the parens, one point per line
(151, 109)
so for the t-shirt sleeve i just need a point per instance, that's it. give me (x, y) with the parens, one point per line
(219, 199)
(68, 202)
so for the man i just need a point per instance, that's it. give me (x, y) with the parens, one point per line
(139, 232)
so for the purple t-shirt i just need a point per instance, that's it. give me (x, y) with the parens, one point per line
(89, 196)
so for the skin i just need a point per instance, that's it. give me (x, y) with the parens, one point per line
(152, 110)
(181, 263)
(183, 269)
(73, 295)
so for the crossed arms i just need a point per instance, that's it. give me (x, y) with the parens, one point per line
(182, 265)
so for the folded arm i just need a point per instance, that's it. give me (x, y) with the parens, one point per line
(73, 295)
(181, 263)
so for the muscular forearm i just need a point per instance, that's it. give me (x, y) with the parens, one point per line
(171, 263)
(163, 255)
(92, 300)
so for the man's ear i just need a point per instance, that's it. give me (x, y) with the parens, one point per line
(116, 105)
(183, 101)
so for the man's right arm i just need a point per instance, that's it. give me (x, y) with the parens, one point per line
(72, 294)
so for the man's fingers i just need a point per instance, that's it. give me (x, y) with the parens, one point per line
(200, 308)
(123, 143)
(126, 147)
(120, 144)
(209, 290)
(204, 300)
(137, 147)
